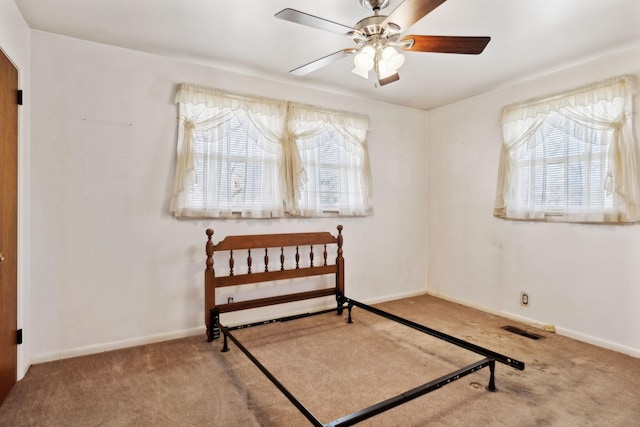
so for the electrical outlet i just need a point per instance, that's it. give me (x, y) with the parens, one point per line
(524, 299)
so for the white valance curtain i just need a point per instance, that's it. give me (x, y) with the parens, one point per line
(605, 105)
(278, 128)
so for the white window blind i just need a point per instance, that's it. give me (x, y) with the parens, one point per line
(571, 157)
(241, 156)
(562, 173)
(236, 175)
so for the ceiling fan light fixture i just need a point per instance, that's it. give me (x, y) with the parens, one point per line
(363, 60)
(392, 59)
(384, 70)
(361, 72)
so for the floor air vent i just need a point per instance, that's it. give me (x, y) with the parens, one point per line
(522, 332)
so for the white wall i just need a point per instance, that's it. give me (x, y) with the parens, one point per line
(14, 42)
(110, 267)
(584, 279)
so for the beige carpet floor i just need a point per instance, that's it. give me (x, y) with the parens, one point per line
(335, 368)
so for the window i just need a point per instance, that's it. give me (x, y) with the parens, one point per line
(333, 161)
(253, 157)
(571, 157)
(233, 174)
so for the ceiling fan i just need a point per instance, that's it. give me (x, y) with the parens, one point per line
(377, 37)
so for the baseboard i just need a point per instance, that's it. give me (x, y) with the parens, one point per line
(634, 352)
(569, 333)
(115, 345)
(392, 297)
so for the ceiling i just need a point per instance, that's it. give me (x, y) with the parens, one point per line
(528, 38)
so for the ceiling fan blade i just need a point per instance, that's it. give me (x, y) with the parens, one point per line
(298, 17)
(444, 44)
(322, 62)
(411, 11)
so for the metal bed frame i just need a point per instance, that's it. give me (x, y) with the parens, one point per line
(215, 328)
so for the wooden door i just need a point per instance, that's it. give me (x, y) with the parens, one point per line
(8, 224)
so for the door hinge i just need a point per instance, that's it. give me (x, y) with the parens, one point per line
(19, 336)
(19, 96)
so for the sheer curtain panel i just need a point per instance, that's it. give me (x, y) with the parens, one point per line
(332, 147)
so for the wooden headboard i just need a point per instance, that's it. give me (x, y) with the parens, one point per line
(304, 243)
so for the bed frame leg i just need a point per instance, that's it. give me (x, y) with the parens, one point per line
(213, 332)
(225, 345)
(349, 307)
(492, 378)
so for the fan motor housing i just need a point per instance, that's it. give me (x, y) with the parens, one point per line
(372, 26)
